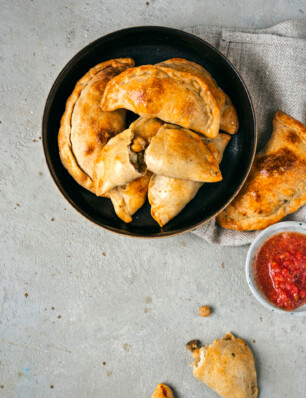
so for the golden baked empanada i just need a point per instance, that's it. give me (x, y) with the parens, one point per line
(276, 185)
(168, 196)
(85, 128)
(130, 198)
(162, 391)
(227, 366)
(229, 120)
(117, 164)
(179, 153)
(172, 96)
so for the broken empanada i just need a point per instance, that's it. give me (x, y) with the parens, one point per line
(117, 164)
(276, 185)
(227, 366)
(85, 128)
(172, 96)
(168, 196)
(228, 115)
(131, 197)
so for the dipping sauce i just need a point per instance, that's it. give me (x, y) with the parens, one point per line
(280, 269)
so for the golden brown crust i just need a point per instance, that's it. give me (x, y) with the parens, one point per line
(127, 200)
(179, 153)
(84, 127)
(229, 120)
(227, 366)
(175, 97)
(276, 185)
(162, 391)
(113, 166)
(168, 196)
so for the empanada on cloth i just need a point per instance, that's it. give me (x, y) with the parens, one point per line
(179, 153)
(276, 185)
(229, 120)
(114, 165)
(227, 366)
(131, 197)
(85, 128)
(162, 391)
(170, 95)
(168, 196)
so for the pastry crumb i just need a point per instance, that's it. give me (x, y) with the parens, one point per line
(204, 311)
(193, 345)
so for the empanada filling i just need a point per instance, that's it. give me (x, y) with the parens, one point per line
(137, 149)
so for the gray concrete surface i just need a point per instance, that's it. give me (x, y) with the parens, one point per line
(83, 312)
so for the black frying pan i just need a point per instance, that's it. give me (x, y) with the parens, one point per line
(149, 45)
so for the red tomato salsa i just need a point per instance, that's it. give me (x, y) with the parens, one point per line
(280, 269)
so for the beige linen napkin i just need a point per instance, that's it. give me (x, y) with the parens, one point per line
(272, 62)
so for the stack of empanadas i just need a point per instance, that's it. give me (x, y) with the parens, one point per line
(166, 154)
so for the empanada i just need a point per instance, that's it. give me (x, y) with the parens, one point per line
(229, 120)
(227, 366)
(172, 96)
(276, 185)
(85, 128)
(168, 196)
(117, 164)
(179, 153)
(131, 197)
(162, 391)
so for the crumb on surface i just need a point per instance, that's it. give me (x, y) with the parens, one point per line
(193, 345)
(204, 311)
(26, 295)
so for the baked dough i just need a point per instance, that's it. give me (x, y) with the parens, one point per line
(276, 185)
(229, 120)
(168, 196)
(227, 366)
(131, 197)
(162, 391)
(174, 97)
(114, 166)
(85, 128)
(179, 153)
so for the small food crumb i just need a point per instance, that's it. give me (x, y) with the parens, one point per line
(2, 387)
(193, 345)
(26, 295)
(147, 3)
(204, 311)
(103, 254)
(104, 363)
(17, 204)
(254, 341)
(51, 386)
(59, 317)
(222, 265)
(52, 219)
(233, 355)
(52, 308)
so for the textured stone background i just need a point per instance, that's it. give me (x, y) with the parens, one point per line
(83, 312)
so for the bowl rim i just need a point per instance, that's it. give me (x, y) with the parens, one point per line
(291, 226)
(58, 81)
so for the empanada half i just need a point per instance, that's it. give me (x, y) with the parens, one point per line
(175, 97)
(227, 366)
(85, 128)
(229, 120)
(276, 185)
(117, 164)
(131, 197)
(179, 153)
(168, 196)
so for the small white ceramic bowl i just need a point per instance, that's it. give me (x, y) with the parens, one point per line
(292, 226)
